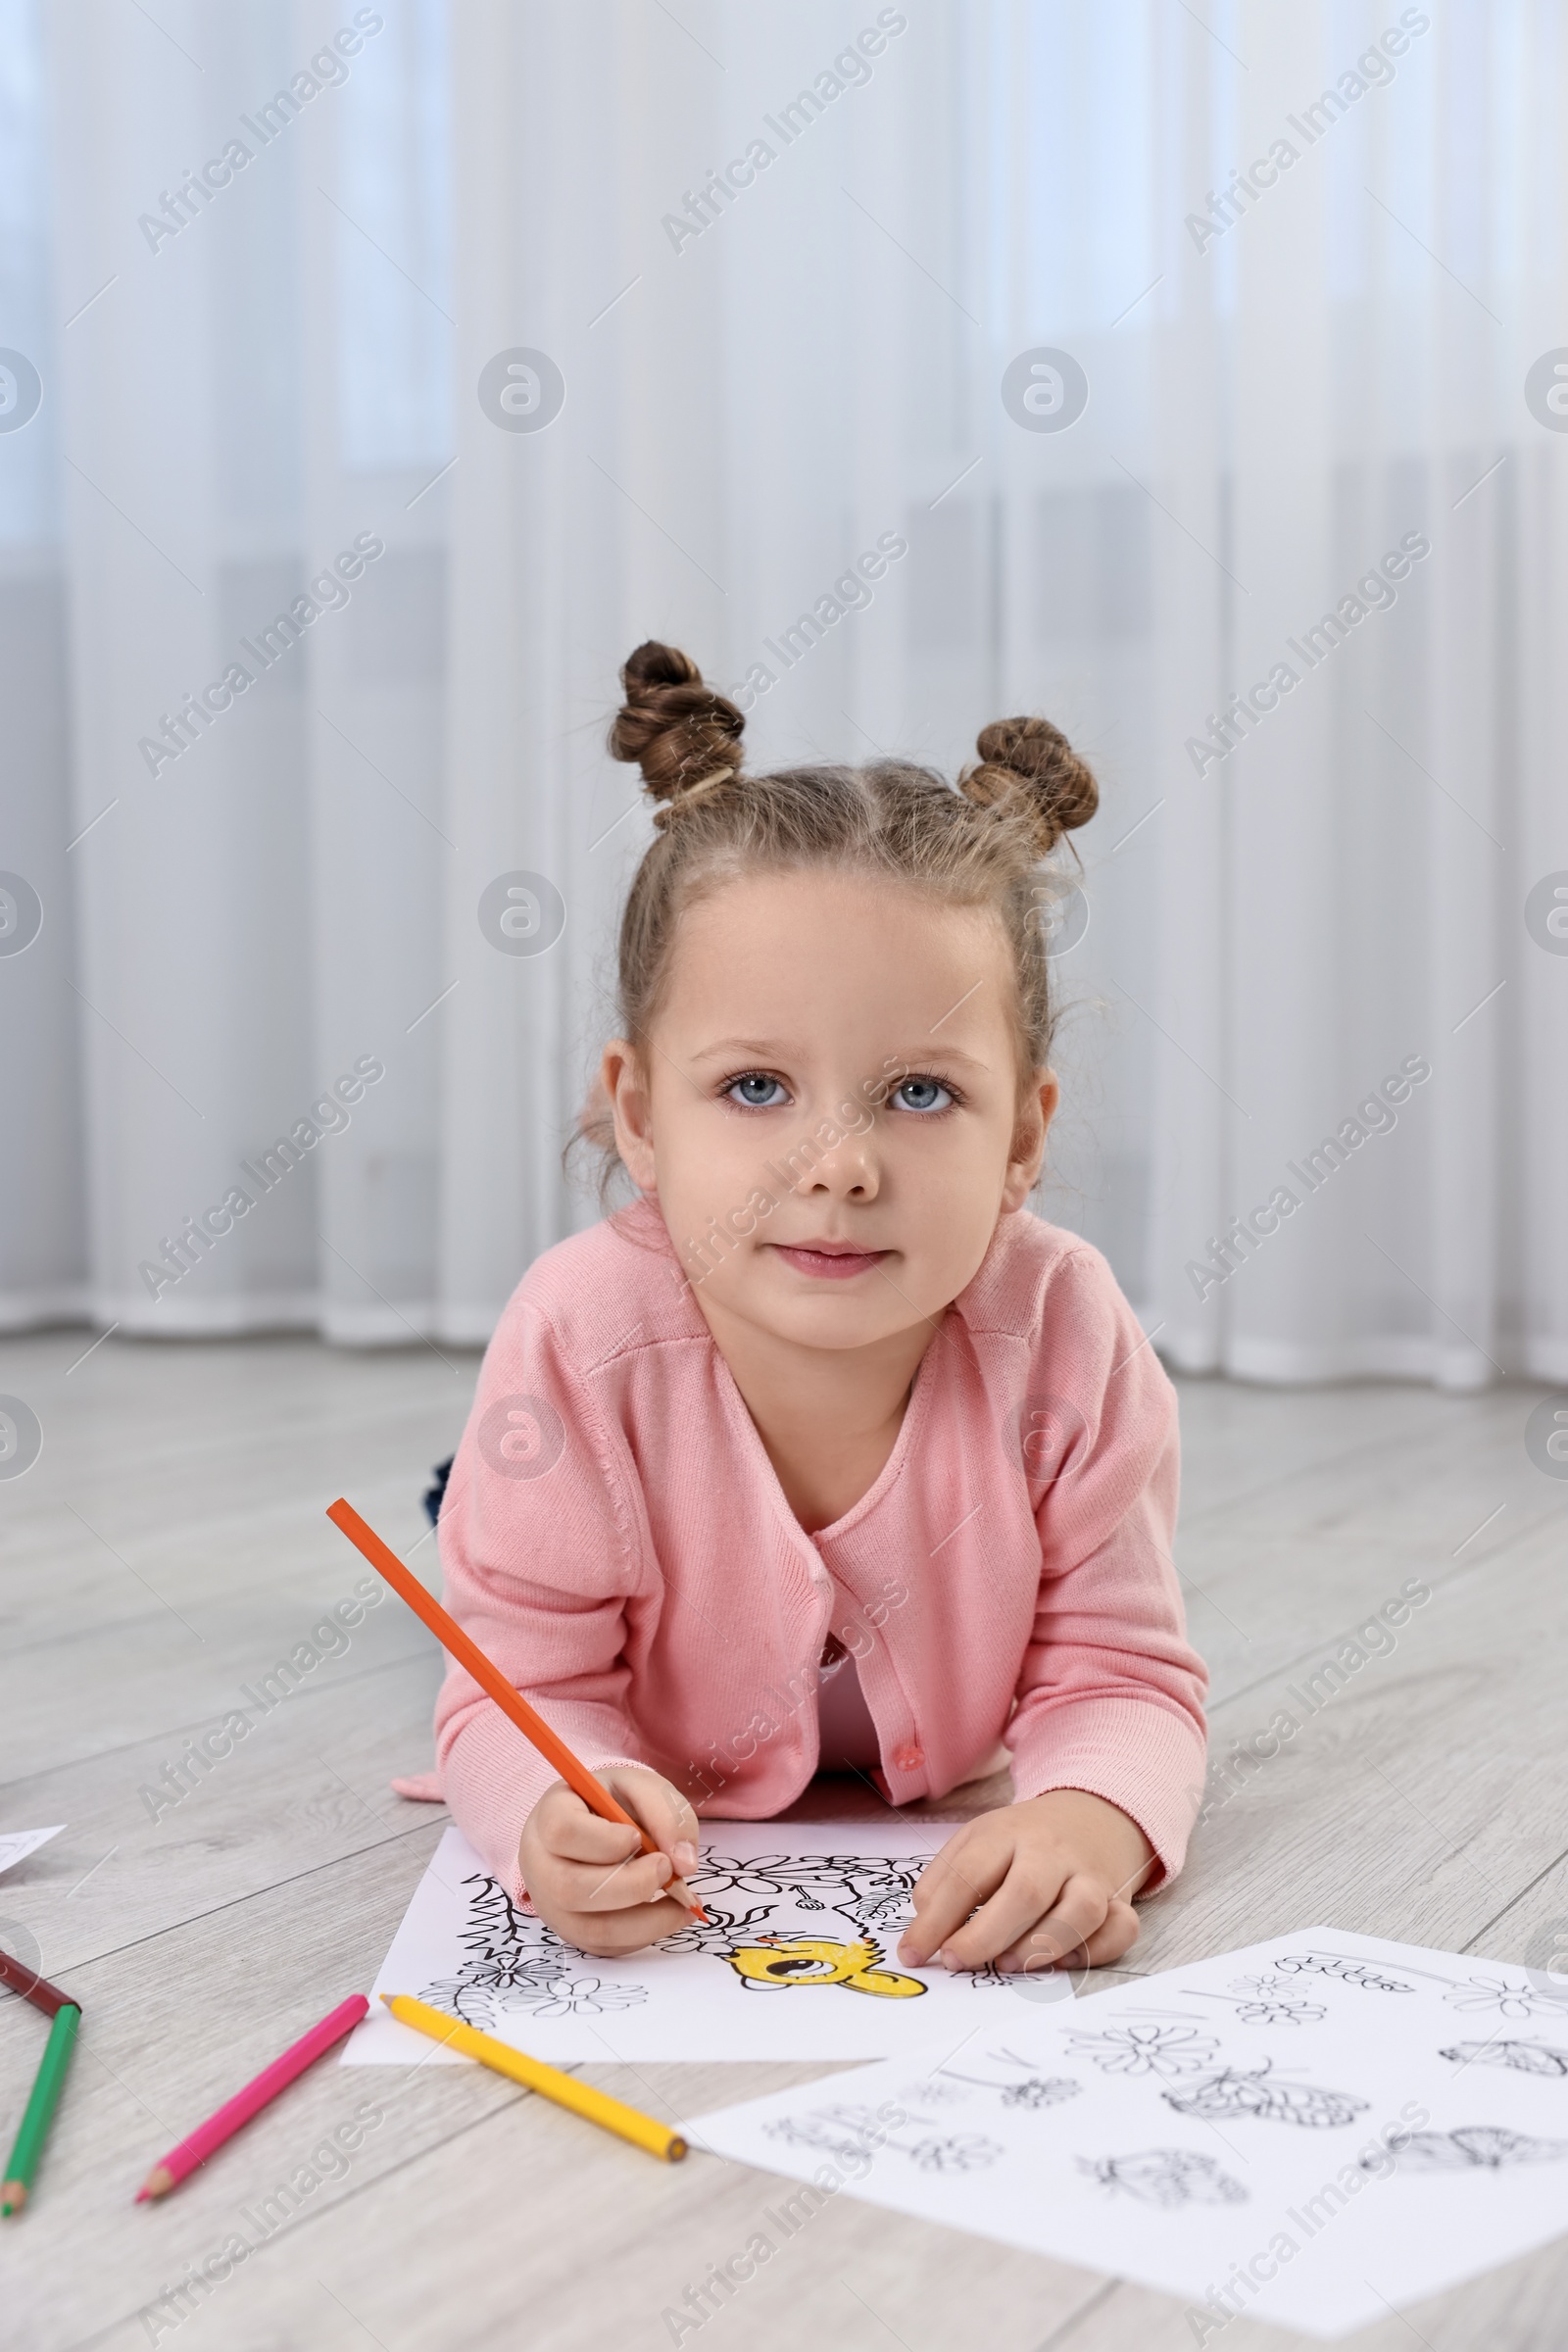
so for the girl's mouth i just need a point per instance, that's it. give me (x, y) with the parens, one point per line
(832, 1261)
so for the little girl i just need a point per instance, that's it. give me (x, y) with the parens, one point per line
(828, 1454)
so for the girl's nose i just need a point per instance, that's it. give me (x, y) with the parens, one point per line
(849, 1172)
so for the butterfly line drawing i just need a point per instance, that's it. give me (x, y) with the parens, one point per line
(1166, 2176)
(1025, 2089)
(854, 2132)
(1163, 2050)
(1472, 2146)
(1256, 2091)
(1525, 2057)
(515, 1962)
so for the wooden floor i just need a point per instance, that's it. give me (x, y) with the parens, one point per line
(170, 1545)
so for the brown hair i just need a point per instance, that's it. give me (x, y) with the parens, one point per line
(981, 845)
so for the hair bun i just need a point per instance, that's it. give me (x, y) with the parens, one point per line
(676, 729)
(1029, 759)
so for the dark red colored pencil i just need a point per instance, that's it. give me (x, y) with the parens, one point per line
(36, 1988)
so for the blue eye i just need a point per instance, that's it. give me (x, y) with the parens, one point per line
(922, 1093)
(755, 1090)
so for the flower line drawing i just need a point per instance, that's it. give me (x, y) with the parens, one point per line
(1270, 2001)
(515, 1962)
(934, 2093)
(853, 2132)
(1166, 2176)
(958, 2152)
(1165, 2050)
(871, 1890)
(1267, 2001)
(1024, 2087)
(511, 1960)
(1038, 2090)
(576, 1997)
(1504, 1997)
(868, 1892)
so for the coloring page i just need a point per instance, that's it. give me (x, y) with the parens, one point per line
(17, 1845)
(1315, 2130)
(797, 1958)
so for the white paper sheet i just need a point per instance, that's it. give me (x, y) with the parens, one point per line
(1313, 2131)
(17, 1845)
(796, 1960)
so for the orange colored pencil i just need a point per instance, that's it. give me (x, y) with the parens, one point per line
(533, 1727)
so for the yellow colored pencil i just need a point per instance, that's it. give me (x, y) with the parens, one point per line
(548, 2081)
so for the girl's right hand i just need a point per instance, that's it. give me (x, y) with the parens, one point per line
(590, 1880)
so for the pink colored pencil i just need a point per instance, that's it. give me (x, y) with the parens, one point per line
(249, 2101)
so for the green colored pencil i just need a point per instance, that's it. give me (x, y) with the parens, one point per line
(47, 2086)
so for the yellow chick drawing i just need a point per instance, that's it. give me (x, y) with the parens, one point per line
(776, 1963)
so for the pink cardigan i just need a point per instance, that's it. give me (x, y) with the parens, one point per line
(615, 1537)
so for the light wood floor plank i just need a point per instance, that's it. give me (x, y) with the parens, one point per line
(169, 1547)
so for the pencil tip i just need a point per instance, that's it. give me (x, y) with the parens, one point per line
(12, 2196)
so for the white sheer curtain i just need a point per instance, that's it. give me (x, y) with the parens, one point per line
(1289, 378)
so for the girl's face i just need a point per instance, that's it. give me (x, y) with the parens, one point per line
(827, 1106)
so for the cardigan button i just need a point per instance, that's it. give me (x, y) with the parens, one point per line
(909, 1758)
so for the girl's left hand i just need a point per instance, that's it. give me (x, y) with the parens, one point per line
(1048, 1883)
